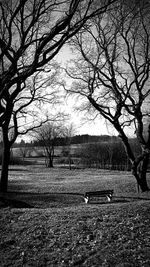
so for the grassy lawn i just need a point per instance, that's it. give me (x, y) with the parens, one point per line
(45, 222)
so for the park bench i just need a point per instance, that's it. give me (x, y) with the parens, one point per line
(103, 193)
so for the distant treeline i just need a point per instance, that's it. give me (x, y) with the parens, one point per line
(77, 139)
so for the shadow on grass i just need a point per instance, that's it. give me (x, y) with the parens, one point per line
(39, 200)
(15, 199)
(13, 203)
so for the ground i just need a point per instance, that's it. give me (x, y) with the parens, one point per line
(45, 222)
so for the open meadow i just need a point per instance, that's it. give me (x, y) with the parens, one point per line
(44, 220)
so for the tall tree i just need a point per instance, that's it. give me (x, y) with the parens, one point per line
(31, 33)
(27, 114)
(112, 75)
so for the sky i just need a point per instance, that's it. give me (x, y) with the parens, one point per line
(94, 128)
(97, 127)
(84, 126)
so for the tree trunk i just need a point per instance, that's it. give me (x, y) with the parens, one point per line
(5, 166)
(139, 171)
(49, 161)
(69, 160)
(139, 165)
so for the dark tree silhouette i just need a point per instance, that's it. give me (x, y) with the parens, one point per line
(31, 33)
(112, 76)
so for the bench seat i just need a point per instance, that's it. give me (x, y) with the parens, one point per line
(103, 193)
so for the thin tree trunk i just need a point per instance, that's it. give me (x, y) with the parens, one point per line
(5, 166)
(50, 162)
(69, 159)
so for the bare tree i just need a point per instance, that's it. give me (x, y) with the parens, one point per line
(31, 33)
(23, 151)
(112, 73)
(47, 136)
(26, 114)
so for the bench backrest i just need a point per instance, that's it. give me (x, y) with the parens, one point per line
(100, 193)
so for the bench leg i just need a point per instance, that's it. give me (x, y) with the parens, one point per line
(86, 199)
(109, 197)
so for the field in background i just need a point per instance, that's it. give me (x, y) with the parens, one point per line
(36, 151)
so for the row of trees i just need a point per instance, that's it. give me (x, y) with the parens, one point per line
(104, 156)
(107, 155)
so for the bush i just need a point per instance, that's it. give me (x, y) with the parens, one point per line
(106, 155)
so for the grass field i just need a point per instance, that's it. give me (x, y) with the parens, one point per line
(45, 222)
